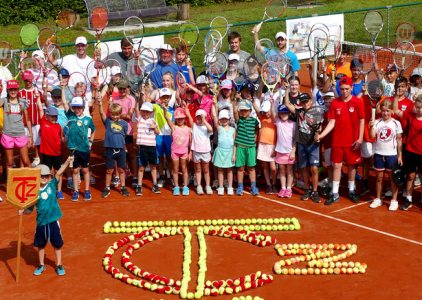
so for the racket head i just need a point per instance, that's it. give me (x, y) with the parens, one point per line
(99, 19)
(384, 57)
(97, 73)
(189, 32)
(74, 133)
(261, 49)
(321, 26)
(134, 28)
(275, 8)
(135, 71)
(316, 40)
(216, 63)
(33, 65)
(405, 32)
(54, 56)
(251, 69)
(114, 71)
(102, 49)
(5, 54)
(239, 80)
(213, 41)
(77, 84)
(373, 22)
(66, 19)
(29, 34)
(151, 90)
(364, 59)
(45, 37)
(374, 84)
(148, 59)
(182, 84)
(179, 45)
(333, 48)
(221, 25)
(312, 118)
(404, 55)
(270, 75)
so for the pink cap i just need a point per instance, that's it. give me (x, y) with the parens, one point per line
(180, 113)
(27, 75)
(12, 84)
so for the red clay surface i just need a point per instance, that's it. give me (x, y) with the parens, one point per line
(389, 242)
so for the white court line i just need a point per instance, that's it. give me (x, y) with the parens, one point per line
(353, 206)
(341, 220)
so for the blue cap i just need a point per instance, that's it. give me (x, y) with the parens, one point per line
(64, 72)
(51, 111)
(282, 109)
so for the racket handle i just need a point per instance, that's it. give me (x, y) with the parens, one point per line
(373, 113)
(333, 75)
(258, 27)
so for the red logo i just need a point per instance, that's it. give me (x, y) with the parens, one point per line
(24, 188)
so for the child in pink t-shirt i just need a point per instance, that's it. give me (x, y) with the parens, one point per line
(181, 136)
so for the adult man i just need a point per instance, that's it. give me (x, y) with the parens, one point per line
(235, 40)
(166, 54)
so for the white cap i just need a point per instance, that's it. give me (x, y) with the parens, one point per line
(165, 47)
(165, 92)
(81, 40)
(200, 112)
(224, 114)
(417, 71)
(234, 56)
(38, 53)
(209, 59)
(281, 34)
(265, 106)
(147, 106)
(329, 94)
(115, 70)
(77, 101)
(202, 79)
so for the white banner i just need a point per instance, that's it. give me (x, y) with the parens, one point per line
(298, 31)
(150, 41)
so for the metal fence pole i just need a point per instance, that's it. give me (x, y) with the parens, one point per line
(388, 26)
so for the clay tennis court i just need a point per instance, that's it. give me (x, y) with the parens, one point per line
(390, 243)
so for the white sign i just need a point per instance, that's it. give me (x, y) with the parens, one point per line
(298, 31)
(150, 42)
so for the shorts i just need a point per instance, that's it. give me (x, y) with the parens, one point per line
(245, 156)
(413, 161)
(351, 156)
(52, 161)
(147, 155)
(284, 159)
(327, 157)
(48, 232)
(10, 142)
(384, 162)
(129, 139)
(367, 149)
(265, 151)
(163, 145)
(81, 159)
(36, 137)
(201, 156)
(308, 155)
(177, 156)
(113, 156)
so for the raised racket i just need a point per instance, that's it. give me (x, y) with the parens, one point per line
(316, 43)
(270, 75)
(374, 86)
(99, 20)
(404, 54)
(149, 59)
(29, 34)
(114, 74)
(274, 9)
(221, 25)
(65, 19)
(262, 47)
(182, 84)
(405, 32)
(364, 58)
(384, 56)
(5, 56)
(321, 26)
(97, 73)
(217, 64)
(178, 45)
(133, 28)
(286, 72)
(135, 71)
(189, 32)
(77, 84)
(74, 136)
(34, 65)
(45, 37)
(311, 119)
(239, 80)
(151, 91)
(373, 23)
(332, 45)
(251, 69)
(54, 55)
(213, 41)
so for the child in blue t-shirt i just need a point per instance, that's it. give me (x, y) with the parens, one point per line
(48, 214)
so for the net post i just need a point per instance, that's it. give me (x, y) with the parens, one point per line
(316, 68)
(388, 25)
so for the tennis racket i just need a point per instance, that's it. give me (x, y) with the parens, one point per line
(373, 23)
(182, 85)
(5, 55)
(151, 90)
(29, 35)
(114, 74)
(99, 20)
(213, 41)
(273, 9)
(332, 45)
(374, 86)
(77, 84)
(74, 136)
(270, 75)
(189, 32)
(135, 71)
(54, 55)
(404, 55)
(134, 28)
(65, 19)
(97, 73)
(316, 43)
(221, 25)
(45, 37)
(179, 45)
(251, 70)
(311, 119)
(239, 80)
(33, 65)
(217, 64)
(405, 32)
(286, 72)
(384, 57)
(262, 47)
(364, 58)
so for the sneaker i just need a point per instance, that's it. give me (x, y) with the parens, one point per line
(172, 182)
(176, 191)
(92, 180)
(115, 181)
(406, 205)
(60, 195)
(156, 189)
(185, 191)
(394, 204)
(225, 183)
(300, 184)
(87, 196)
(281, 193)
(417, 181)
(376, 203)
(327, 191)
(404, 193)
(70, 185)
(269, 190)
(288, 193)
(161, 182)
(134, 182)
(323, 183)
(138, 190)
(37, 161)
(195, 184)
(1, 199)
(388, 193)
(239, 191)
(275, 189)
(363, 190)
(208, 190)
(75, 196)
(124, 191)
(306, 195)
(230, 191)
(105, 192)
(60, 271)
(215, 184)
(254, 191)
(354, 197)
(333, 199)
(199, 190)
(39, 270)
(220, 191)
(315, 197)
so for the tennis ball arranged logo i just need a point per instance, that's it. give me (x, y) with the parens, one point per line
(320, 258)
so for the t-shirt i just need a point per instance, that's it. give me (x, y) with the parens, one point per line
(146, 135)
(5, 75)
(341, 70)
(285, 136)
(404, 105)
(73, 139)
(389, 89)
(61, 118)
(246, 131)
(316, 97)
(157, 75)
(115, 132)
(304, 133)
(185, 71)
(386, 137)
(13, 115)
(48, 209)
(161, 119)
(126, 103)
(414, 144)
(294, 60)
(368, 116)
(192, 107)
(33, 112)
(347, 116)
(243, 55)
(50, 137)
(268, 132)
(206, 103)
(123, 60)
(200, 139)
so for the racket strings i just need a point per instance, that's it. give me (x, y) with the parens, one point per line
(364, 58)
(384, 57)
(189, 33)
(404, 55)
(270, 74)
(148, 60)
(5, 53)
(99, 18)
(221, 25)
(316, 40)
(332, 45)
(29, 34)
(375, 85)
(133, 27)
(66, 19)
(373, 22)
(405, 32)
(251, 69)
(275, 8)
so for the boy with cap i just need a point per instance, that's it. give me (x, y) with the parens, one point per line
(82, 154)
(48, 215)
(235, 41)
(146, 140)
(245, 144)
(347, 120)
(391, 76)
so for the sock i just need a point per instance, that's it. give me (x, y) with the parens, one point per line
(240, 184)
(409, 198)
(284, 187)
(351, 186)
(253, 184)
(107, 187)
(140, 184)
(336, 185)
(366, 183)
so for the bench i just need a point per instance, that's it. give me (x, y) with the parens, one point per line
(120, 10)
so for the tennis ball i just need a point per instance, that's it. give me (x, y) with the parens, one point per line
(150, 223)
(242, 221)
(117, 230)
(214, 222)
(173, 223)
(286, 227)
(112, 229)
(106, 230)
(123, 229)
(144, 224)
(220, 222)
(202, 222)
(231, 222)
(122, 224)
(161, 223)
(168, 223)
(251, 227)
(196, 222)
(191, 223)
(116, 224)
(281, 220)
(287, 220)
(248, 221)
(237, 222)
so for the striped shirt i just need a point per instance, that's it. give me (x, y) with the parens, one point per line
(33, 112)
(146, 135)
(52, 80)
(246, 131)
